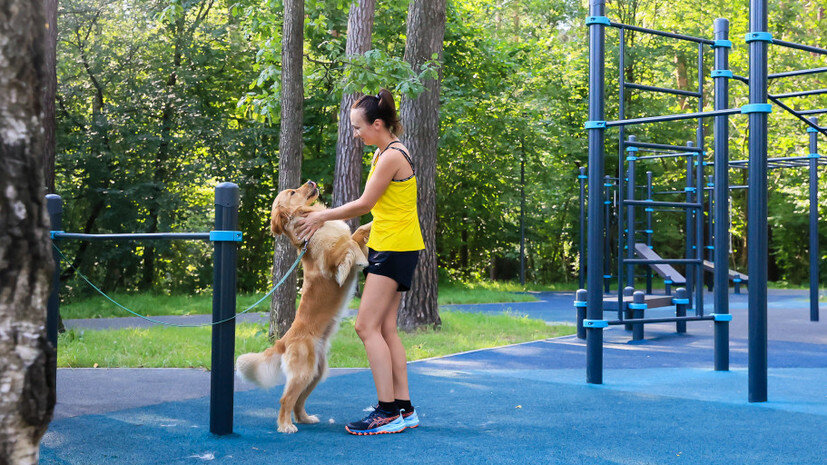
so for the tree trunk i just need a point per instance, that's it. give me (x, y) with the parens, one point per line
(27, 360)
(348, 175)
(49, 93)
(420, 118)
(283, 305)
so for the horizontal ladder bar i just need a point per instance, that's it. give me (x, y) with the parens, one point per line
(663, 118)
(799, 72)
(657, 203)
(662, 33)
(661, 320)
(663, 90)
(132, 236)
(813, 112)
(801, 93)
(661, 261)
(806, 48)
(651, 145)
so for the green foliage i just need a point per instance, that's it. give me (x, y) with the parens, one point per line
(159, 100)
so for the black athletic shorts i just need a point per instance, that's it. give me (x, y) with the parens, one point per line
(398, 266)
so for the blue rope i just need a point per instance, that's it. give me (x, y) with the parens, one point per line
(292, 267)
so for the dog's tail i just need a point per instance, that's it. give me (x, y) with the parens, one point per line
(264, 368)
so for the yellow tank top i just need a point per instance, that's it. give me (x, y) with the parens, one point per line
(395, 219)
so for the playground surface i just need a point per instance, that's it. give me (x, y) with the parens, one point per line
(661, 402)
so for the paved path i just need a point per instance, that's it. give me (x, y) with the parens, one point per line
(660, 403)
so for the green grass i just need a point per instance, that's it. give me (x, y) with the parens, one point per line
(152, 304)
(190, 347)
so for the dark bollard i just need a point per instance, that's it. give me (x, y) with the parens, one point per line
(222, 376)
(627, 312)
(667, 283)
(580, 305)
(737, 283)
(54, 205)
(638, 307)
(681, 302)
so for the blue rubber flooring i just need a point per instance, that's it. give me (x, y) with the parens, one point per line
(660, 403)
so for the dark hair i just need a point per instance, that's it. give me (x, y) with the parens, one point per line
(380, 106)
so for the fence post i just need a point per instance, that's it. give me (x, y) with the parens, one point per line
(580, 305)
(224, 296)
(638, 307)
(627, 311)
(681, 302)
(54, 205)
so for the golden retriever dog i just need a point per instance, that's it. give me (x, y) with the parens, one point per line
(331, 265)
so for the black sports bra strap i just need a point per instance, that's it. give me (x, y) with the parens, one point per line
(404, 153)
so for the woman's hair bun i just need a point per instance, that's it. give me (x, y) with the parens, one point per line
(380, 106)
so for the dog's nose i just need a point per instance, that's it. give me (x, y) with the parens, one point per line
(312, 184)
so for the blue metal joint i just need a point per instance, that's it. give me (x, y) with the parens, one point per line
(595, 324)
(758, 37)
(581, 303)
(721, 73)
(634, 306)
(757, 108)
(598, 20)
(721, 316)
(56, 234)
(595, 125)
(812, 129)
(680, 301)
(225, 236)
(813, 155)
(722, 43)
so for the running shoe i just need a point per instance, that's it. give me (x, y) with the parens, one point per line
(377, 423)
(411, 418)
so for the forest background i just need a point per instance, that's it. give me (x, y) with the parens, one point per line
(159, 100)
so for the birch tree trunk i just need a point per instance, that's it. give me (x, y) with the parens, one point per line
(283, 305)
(420, 118)
(27, 360)
(348, 174)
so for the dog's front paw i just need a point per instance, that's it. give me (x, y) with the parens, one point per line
(309, 419)
(289, 428)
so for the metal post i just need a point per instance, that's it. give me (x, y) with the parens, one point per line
(757, 248)
(580, 306)
(649, 229)
(628, 291)
(681, 301)
(710, 231)
(813, 221)
(690, 217)
(638, 307)
(223, 307)
(582, 274)
(630, 213)
(721, 193)
(607, 204)
(522, 215)
(54, 205)
(594, 336)
(699, 192)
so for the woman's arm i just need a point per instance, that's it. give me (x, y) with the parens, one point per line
(386, 168)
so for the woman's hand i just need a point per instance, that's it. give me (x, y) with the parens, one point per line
(308, 225)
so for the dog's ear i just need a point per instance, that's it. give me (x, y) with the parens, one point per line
(278, 217)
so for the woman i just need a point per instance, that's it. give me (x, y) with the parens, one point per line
(394, 245)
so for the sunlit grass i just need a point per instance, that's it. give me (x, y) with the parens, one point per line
(190, 347)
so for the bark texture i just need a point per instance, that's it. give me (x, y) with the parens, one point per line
(27, 360)
(348, 174)
(49, 93)
(420, 118)
(283, 305)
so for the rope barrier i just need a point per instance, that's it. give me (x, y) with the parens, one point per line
(281, 281)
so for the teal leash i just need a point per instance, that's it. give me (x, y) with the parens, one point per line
(284, 278)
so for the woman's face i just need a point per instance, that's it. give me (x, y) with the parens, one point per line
(369, 133)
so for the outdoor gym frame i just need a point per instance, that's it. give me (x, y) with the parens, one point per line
(225, 236)
(757, 111)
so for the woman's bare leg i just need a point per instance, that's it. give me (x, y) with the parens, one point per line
(399, 360)
(377, 295)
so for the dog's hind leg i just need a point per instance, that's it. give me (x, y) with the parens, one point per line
(300, 375)
(299, 410)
